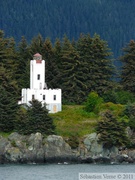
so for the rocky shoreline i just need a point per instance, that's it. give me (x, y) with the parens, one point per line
(35, 148)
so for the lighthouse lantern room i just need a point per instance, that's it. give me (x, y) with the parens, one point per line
(38, 87)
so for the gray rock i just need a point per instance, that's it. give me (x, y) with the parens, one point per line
(131, 154)
(35, 141)
(36, 149)
(16, 137)
(93, 146)
(13, 154)
(3, 144)
(56, 146)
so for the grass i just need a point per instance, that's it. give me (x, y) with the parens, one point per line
(74, 121)
(4, 134)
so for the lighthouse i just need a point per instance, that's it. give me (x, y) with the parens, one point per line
(38, 87)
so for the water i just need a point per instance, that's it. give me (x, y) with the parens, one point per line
(58, 172)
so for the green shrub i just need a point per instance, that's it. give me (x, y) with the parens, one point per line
(116, 109)
(93, 103)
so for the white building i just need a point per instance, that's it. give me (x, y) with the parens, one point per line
(38, 88)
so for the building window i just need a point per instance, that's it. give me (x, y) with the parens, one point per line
(43, 97)
(33, 96)
(38, 76)
(54, 97)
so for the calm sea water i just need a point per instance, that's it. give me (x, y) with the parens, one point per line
(58, 172)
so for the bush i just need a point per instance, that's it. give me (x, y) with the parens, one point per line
(93, 103)
(116, 109)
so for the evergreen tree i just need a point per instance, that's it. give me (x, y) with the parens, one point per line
(57, 53)
(97, 66)
(111, 131)
(52, 72)
(3, 46)
(84, 49)
(8, 55)
(72, 84)
(8, 101)
(23, 66)
(129, 112)
(8, 84)
(36, 119)
(103, 68)
(36, 45)
(128, 67)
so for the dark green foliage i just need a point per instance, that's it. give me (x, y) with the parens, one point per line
(96, 64)
(93, 103)
(129, 112)
(77, 68)
(23, 64)
(52, 73)
(72, 78)
(8, 101)
(111, 131)
(34, 119)
(128, 68)
(8, 84)
(119, 97)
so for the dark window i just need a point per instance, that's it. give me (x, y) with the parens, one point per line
(38, 76)
(33, 96)
(43, 97)
(54, 97)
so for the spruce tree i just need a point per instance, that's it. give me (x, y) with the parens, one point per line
(8, 101)
(128, 67)
(111, 131)
(52, 72)
(36, 45)
(72, 79)
(97, 66)
(103, 68)
(36, 119)
(23, 64)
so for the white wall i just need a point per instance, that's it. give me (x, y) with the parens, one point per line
(54, 105)
(35, 69)
(52, 96)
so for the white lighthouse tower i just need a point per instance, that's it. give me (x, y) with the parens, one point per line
(38, 88)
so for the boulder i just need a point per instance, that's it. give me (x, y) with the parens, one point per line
(92, 145)
(53, 149)
(34, 151)
(3, 144)
(57, 150)
(131, 155)
(13, 155)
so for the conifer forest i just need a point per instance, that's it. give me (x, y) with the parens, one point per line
(88, 46)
